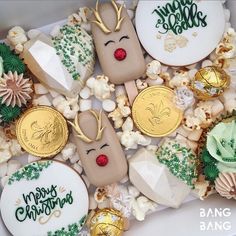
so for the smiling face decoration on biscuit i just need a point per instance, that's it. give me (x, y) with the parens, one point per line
(99, 148)
(116, 42)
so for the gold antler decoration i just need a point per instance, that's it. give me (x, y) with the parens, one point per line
(118, 15)
(99, 21)
(99, 122)
(80, 133)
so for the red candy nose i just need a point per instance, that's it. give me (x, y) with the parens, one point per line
(102, 160)
(120, 54)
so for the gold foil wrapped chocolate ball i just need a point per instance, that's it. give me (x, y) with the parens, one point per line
(107, 222)
(210, 82)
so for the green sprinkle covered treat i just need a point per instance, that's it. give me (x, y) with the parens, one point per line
(180, 159)
(76, 50)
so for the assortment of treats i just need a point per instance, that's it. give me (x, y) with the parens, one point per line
(149, 130)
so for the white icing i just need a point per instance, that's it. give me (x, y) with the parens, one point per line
(56, 174)
(188, 47)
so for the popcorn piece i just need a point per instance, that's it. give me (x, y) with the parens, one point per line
(158, 81)
(141, 84)
(67, 106)
(122, 110)
(85, 93)
(229, 99)
(100, 194)
(131, 139)
(203, 115)
(141, 206)
(74, 19)
(17, 37)
(68, 151)
(183, 98)
(100, 87)
(12, 167)
(74, 158)
(117, 117)
(8, 147)
(180, 78)
(85, 104)
(40, 89)
(153, 70)
(42, 100)
(226, 50)
(108, 105)
(19, 48)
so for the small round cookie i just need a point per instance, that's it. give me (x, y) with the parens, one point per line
(44, 198)
(180, 32)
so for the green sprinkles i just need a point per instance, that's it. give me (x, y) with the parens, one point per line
(71, 230)
(74, 46)
(29, 172)
(180, 160)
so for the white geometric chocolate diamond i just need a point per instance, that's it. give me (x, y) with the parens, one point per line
(155, 181)
(43, 61)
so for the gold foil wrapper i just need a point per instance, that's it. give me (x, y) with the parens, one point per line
(210, 82)
(107, 222)
(42, 131)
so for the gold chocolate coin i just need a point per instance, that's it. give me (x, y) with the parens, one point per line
(42, 131)
(154, 112)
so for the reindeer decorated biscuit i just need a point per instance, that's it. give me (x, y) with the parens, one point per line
(116, 42)
(99, 148)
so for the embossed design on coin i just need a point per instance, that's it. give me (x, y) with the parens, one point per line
(42, 131)
(154, 112)
(158, 112)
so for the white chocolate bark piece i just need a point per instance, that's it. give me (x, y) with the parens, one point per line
(116, 42)
(155, 181)
(44, 198)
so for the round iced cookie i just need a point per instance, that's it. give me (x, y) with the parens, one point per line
(44, 198)
(180, 32)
